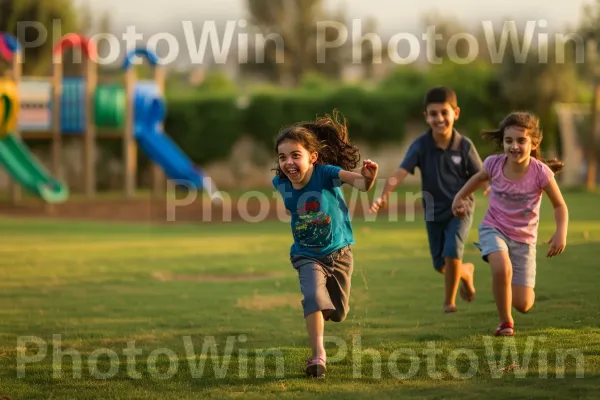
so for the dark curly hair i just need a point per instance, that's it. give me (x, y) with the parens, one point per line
(328, 136)
(531, 123)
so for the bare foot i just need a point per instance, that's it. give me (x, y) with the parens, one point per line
(449, 308)
(467, 289)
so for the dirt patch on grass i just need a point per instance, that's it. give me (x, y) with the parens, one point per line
(163, 277)
(269, 302)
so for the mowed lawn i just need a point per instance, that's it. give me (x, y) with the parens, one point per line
(101, 311)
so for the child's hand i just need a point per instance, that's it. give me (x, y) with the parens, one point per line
(458, 208)
(378, 204)
(557, 243)
(369, 169)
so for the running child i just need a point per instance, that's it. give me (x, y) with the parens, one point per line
(315, 159)
(446, 160)
(509, 231)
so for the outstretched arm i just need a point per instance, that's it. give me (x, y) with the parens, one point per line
(407, 166)
(558, 241)
(390, 185)
(363, 181)
(474, 166)
(477, 181)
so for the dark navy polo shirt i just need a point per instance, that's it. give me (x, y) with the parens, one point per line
(443, 172)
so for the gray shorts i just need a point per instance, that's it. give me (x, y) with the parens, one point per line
(325, 283)
(522, 255)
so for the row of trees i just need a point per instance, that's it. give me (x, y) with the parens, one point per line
(296, 23)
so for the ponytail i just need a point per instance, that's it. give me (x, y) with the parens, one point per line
(554, 164)
(495, 137)
(335, 146)
(326, 136)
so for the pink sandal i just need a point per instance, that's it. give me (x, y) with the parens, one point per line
(505, 329)
(316, 368)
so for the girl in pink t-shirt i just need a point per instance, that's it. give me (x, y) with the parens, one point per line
(508, 232)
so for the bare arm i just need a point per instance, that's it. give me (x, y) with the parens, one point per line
(364, 180)
(477, 181)
(356, 180)
(390, 185)
(558, 241)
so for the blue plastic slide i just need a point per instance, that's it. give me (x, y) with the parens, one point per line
(149, 113)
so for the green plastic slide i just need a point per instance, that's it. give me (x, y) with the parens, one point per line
(24, 168)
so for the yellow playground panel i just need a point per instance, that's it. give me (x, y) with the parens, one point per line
(9, 101)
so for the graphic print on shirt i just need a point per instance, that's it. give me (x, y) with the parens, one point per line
(313, 228)
(514, 199)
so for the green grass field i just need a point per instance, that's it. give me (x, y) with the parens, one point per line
(99, 311)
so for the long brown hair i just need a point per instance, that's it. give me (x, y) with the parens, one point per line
(328, 136)
(531, 123)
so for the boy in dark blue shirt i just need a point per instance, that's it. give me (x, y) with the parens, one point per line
(446, 160)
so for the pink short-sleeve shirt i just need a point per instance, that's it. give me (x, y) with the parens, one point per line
(514, 205)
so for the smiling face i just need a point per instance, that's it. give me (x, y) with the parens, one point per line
(296, 162)
(441, 117)
(518, 144)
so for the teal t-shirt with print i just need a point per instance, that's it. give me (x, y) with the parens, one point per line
(320, 220)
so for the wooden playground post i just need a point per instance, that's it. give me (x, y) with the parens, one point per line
(158, 176)
(129, 145)
(594, 118)
(57, 91)
(89, 136)
(88, 52)
(594, 130)
(15, 73)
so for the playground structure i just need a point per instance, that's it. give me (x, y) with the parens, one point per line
(51, 108)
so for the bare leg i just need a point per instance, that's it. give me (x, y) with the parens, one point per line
(467, 287)
(315, 326)
(455, 272)
(523, 298)
(452, 280)
(501, 284)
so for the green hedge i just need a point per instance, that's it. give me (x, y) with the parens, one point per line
(373, 117)
(206, 127)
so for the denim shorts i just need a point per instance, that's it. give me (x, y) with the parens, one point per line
(325, 283)
(447, 239)
(522, 255)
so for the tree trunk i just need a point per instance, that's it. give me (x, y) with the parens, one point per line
(592, 162)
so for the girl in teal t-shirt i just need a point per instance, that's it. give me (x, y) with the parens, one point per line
(315, 159)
